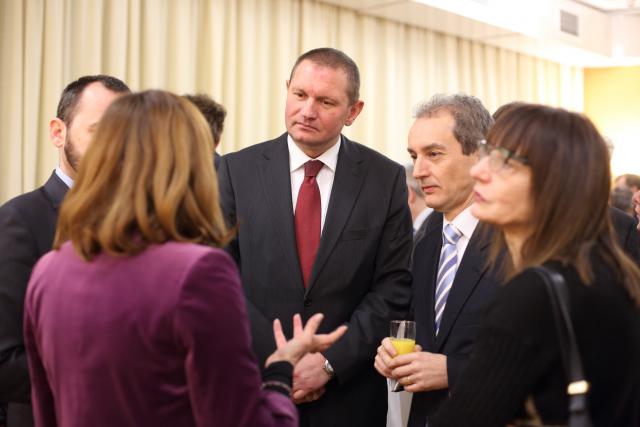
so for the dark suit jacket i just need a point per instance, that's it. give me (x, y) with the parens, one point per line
(27, 228)
(360, 276)
(473, 289)
(626, 229)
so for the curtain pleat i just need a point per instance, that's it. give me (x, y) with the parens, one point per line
(240, 52)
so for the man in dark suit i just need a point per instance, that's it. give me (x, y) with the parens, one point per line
(451, 282)
(323, 226)
(27, 229)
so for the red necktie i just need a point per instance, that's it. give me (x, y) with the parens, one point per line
(308, 219)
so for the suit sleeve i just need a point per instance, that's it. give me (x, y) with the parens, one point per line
(390, 291)
(261, 327)
(18, 254)
(222, 374)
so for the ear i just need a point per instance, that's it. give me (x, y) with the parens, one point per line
(287, 82)
(57, 132)
(354, 110)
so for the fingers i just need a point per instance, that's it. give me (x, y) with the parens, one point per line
(302, 396)
(312, 324)
(299, 395)
(389, 348)
(278, 334)
(381, 367)
(402, 370)
(383, 358)
(418, 347)
(297, 325)
(322, 342)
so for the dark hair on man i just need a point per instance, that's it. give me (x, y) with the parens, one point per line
(212, 111)
(72, 93)
(336, 59)
(472, 119)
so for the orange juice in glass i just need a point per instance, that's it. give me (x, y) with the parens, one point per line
(402, 334)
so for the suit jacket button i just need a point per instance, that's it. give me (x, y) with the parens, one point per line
(307, 302)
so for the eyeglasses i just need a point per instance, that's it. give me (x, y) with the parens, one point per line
(498, 156)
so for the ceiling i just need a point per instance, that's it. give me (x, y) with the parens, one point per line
(607, 31)
(613, 6)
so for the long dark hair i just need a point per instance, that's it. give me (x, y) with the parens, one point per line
(570, 179)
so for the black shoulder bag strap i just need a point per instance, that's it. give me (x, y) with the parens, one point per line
(578, 387)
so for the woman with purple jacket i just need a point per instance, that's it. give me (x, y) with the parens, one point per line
(137, 318)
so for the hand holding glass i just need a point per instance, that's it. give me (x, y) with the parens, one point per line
(402, 334)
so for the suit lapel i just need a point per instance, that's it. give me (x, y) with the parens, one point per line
(425, 266)
(347, 181)
(469, 273)
(276, 184)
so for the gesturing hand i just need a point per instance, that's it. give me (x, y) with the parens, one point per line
(305, 340)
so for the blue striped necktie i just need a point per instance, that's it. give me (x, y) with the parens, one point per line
(446, 270)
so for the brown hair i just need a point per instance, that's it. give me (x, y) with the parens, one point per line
(146, 178)
(570, 179)
(212, 111)
(335, 59)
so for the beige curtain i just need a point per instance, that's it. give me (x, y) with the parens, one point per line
(240, 52)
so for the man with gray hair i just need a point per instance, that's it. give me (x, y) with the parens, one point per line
(451, 282)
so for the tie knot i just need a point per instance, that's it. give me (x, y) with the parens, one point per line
(312, 167)
(450, 235)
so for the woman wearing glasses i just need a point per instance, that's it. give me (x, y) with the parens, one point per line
(544, 183)
(137, 319)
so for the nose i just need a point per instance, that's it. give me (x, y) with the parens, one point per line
(480, 171)
(308, 109)
(421, 168)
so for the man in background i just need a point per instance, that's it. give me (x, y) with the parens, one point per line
(323, 227)
(452, 284)
(214, 113)
(27, 229)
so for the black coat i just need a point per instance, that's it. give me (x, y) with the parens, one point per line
(360, 276)
(27, 229)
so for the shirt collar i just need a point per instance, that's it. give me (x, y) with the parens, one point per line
(297, 158)
(464, 222)
(64, 177)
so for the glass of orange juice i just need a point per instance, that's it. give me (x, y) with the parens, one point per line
(402, 334)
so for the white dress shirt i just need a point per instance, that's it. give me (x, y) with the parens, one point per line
(64, 177)
(297, 159)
